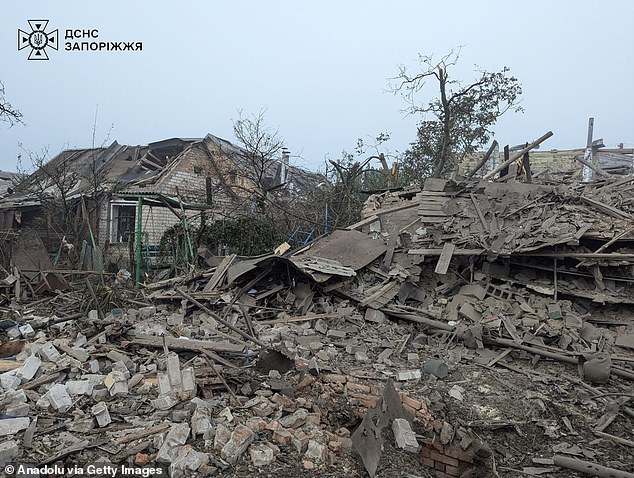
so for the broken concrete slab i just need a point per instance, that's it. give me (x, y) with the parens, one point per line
(11, 426)
(59, 398)
(241, 438)
(101, 413)
(404, 435)
(176, 436)
(261, 455)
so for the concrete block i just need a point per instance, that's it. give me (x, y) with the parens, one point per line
(174, 320)
(187, 461)
(121, 369)
(136, 379)
(261, 455)
(78, 353)
(164, 402)
(294, 420)
(9, 451)
(101, 413)
(299, 440)
(373, 315)
(80, 340)
(116, 356)
(59, 398)
(14, 333)
(404, 435)
(163, 383)
(316, 452)
(240, 440)
(177, 436)
(174, 372)
(200, 421)
(26, 331)
(11, 426)
(10, 380)
(43, 402)
(223, 435)
(15, 396)
(79, 387)
(404, 375)
(81, 425)
(49, 353)
(30, 367)
(189, 379)
(93, 365)
(117, 383)
(225, 415)
(17, 409)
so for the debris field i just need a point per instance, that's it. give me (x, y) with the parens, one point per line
(460, 329)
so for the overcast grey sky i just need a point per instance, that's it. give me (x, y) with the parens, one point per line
(320, 69)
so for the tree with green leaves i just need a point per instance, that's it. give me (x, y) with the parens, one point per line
(458, 121)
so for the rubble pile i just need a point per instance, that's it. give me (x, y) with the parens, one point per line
(460, 329)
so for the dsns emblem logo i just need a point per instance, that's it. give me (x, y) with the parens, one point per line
(37, 39)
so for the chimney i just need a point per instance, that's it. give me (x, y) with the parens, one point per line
(286, 157)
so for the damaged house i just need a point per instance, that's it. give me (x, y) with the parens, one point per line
(94, 202)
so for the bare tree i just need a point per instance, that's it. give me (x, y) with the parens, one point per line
(261, 148)
(461, 115)
(96, 173)
(52, 183)
(8, 113)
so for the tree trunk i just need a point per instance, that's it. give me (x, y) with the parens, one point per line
(446, 120)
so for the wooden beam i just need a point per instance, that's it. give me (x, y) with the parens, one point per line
(484, 159)
(518, 155)
(589, 468)
(445, 258)
(437, 252)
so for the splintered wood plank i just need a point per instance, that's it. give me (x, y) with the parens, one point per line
(220, 273)
(445, 258)
(432, 219)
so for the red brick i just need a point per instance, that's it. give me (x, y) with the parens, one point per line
(283, 437)
(376, 390)
(357, 387)
(444, 459)
(338, 388)
(306, 381)
(273, 425)
(335, 446)
(408, 409)
(458, 454)
(411, 402)
(452, 470)
(368, 401)
(440, 474)
(333, 377)
(141, 459)
(428, 462)
(439, 466)
(425, 452)
(314, 418)
(437, 446)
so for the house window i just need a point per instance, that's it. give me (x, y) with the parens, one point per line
(123, 222)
